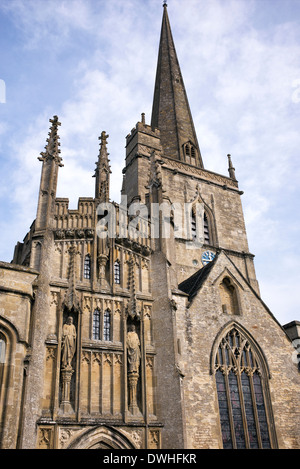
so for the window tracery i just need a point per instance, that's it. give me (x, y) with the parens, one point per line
(242, 394)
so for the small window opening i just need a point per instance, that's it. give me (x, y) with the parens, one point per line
(96, 324)
(193, 226)
(117, 272)
(87, 267)
(106, 325)
(206, 230)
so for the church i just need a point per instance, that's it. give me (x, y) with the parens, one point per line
(140, 325)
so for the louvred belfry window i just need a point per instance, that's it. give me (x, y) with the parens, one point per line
(206, 230)
(242, 394)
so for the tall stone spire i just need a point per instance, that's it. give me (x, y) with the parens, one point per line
(171, 112)
(103, 171)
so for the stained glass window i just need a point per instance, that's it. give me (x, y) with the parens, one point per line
(241, 394)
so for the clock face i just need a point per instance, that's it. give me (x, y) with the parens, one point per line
(207, 257)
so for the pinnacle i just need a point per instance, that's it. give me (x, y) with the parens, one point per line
(102, 171)
(52, 147)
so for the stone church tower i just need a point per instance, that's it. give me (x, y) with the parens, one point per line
(140, 324)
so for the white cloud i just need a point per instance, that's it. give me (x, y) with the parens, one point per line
(48, 23)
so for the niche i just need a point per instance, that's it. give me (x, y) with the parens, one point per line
(229, 297)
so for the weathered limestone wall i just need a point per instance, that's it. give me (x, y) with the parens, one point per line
(16, 295)
(197, 329)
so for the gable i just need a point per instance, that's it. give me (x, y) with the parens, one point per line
(213, 274)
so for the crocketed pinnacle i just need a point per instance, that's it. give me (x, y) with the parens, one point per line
(52, 150)
(171, 111)
(102, 172)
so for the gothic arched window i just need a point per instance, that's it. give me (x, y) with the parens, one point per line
(87, 267)
(106, 325)
(96, 324)
(117, 271)
(243, 396)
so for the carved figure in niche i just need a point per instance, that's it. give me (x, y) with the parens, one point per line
(68, 344)
(133, 350)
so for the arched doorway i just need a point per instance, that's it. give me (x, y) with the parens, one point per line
(102, 438)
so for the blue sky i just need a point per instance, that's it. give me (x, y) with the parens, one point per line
(93, 63)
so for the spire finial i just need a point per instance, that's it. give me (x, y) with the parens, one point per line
(52, 147)
(102, 171)
(165, 4)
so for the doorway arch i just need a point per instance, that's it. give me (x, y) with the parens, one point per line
(102, 438)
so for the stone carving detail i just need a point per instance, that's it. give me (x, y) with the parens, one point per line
(61, 234)
(133, 350)
(65, 434)
(154, 439)
(207, 175)
(50, 353)
(68, 344)
(133, 359)
(45, 438)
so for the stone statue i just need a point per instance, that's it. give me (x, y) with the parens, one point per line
(133, 350)
(68, 343)
(133, 358)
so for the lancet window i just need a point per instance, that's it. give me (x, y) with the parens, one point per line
(106, 325)
(87, 267)
(102, 325)
(243, 397)
(117, 272)
(96, 324)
